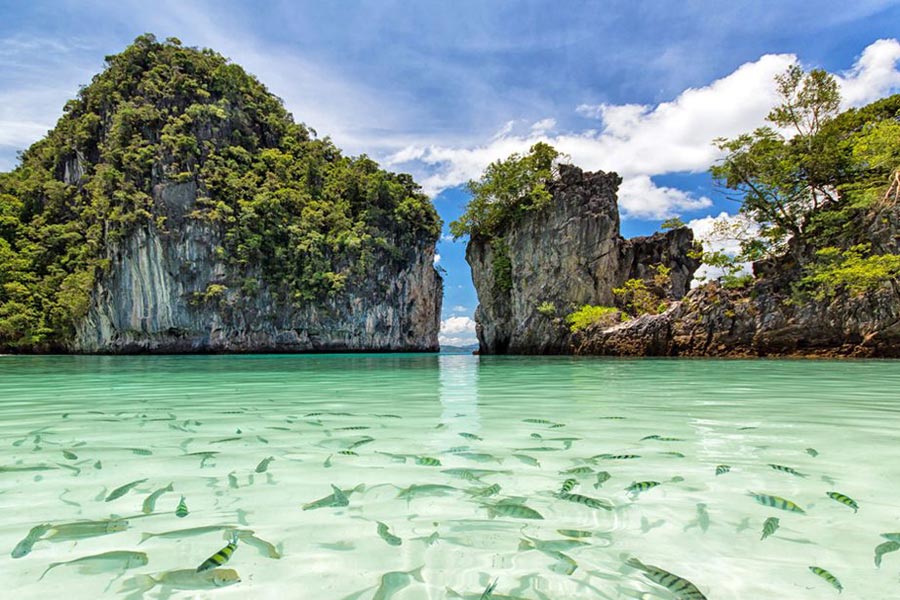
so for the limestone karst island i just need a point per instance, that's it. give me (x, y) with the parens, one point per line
(488, 301)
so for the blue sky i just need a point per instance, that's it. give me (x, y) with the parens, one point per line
(439, 89)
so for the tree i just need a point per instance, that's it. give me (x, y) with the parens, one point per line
(507, 189)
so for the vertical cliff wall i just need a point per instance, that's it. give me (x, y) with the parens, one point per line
(567, 254)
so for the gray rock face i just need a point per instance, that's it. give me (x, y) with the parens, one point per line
(154, 299)
(568, 254)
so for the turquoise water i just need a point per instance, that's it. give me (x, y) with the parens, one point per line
(74, 429)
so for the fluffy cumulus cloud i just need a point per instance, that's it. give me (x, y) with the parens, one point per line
(722, 233)
(457, 331)
(640, 141)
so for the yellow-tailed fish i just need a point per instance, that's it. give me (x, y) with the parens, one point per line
(221, 557)
(182, 579)
(85, 529)
(828, 577)
(845, 500)
(181, 511)
(681, 587)
(117, 560)
(777, 502)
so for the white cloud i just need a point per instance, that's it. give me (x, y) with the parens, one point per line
(641, 141)
(874, 75)
(459, 309)
(437, 258)
(457, 331)
(720, 233)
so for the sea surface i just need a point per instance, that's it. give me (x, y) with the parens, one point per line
(449, 470)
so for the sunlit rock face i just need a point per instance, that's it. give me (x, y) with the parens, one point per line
(566, 255)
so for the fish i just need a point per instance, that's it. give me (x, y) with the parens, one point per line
(660, 438)
(785, 469)
(539, 449)
(223, 440)
(479, 457)
(484, 492)
(361, 442)
(428, 461)
(23, 469)
(585, 500)
(488, 592)
(182, 579)
(882, 549)
(577, 471)
(24, 547)
(568, 485)
(827, 577)
(98, 465)
(770, 527)
(722, 469)
(176, 534)
(336, 499)
(812, 452)
(845, 500)
(509, 509)
(679, 586)
(348, 453)
(86, 529)
(894, 537)
(777, 502)
(428, 489)
(389, 416)
(702, 520)
(221, 557)
(387, 536)
(394, 581)
(469, 436)
(116, 560)
(124, 489)
(473, 474)
(69, 455)
(232, 481)
(615, 457)
(528, 460)
(637, 487)
(575, 533)
(181, 511)
(140, 451)
(150, 501)
(264, 464)
(265, 548)
(602, 477)
(539, 421)
(549, 546)
(557, 425)
(647, 526)
(353, 428)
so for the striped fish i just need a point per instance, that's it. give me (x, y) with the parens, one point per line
(469, 436)
(641, 486)
(182, 510)
(845, 500)
(602, 477)
(722, 469)
(348, 453)
(568, 485)
(428, 461)
(539, 421)
(785, 469)
(882, 549)
(828, 577)
(777, 502)
(484, 492)
(585, 500)
(221, 557)
(680, 587)
(509, 509)
(578, 471)
(387, 536)
(770, 527)
(615, 456)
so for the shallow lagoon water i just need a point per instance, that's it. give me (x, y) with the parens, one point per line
(154, 418)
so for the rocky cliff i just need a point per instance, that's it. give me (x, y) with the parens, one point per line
(566, 255)
(177, 207)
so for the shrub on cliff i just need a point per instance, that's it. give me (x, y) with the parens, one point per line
(291, 209)
(588, 315)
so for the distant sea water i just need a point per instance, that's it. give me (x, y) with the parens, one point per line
(449, 472)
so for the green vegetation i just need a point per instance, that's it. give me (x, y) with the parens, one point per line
(291, 209)
(820, 184)
(641, 299)
(855, 271)
(548, 309)
(672, 223)
(502, 267)
(588, 315)
(507, 189)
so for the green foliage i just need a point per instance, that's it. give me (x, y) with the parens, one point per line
(855, 271)
(502, 267)
(639, 298)
(546, 308)
(672, 223)
(507, 189)
(291, 209)
(815, 184)
(588, 315)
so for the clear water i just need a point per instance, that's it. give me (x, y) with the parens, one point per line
(746, 414)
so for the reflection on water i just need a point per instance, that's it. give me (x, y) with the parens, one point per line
(422, 476)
